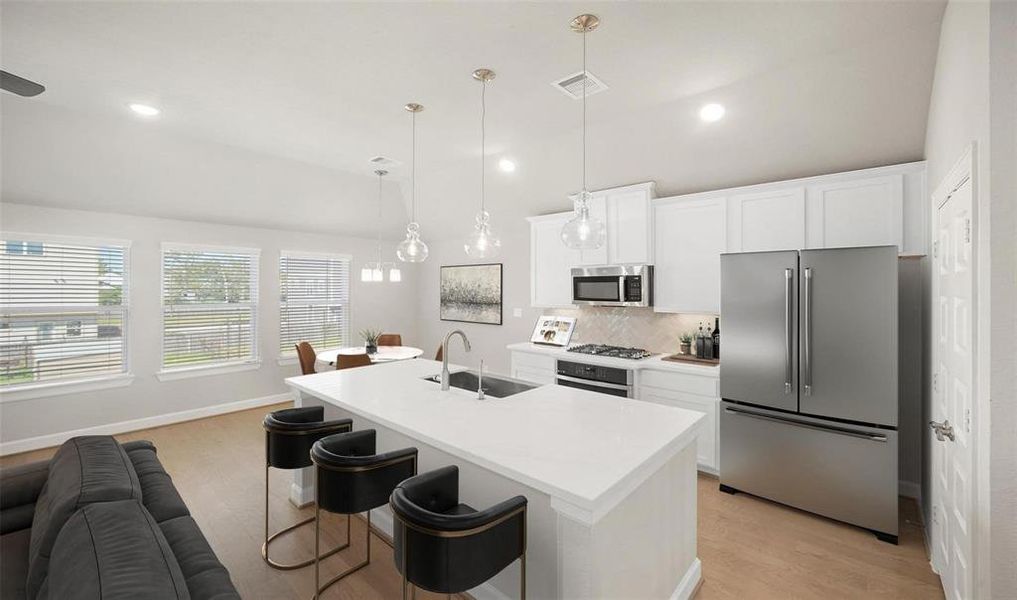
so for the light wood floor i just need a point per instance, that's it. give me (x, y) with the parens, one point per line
(750, 548)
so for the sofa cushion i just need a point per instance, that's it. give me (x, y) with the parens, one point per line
(206, 578)
(83, 471)
(158, 493)
(113, 551)
(20, 486)
(14, 564)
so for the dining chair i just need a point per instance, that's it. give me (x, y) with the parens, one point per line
(390, 339)
(349, 361)
(307, 356)
(439, 354)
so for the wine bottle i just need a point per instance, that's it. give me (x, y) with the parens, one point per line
(708, 344)
(700, 342)
(716, 338)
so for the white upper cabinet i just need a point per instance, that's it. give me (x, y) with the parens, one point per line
(856, 212)
(767, 220)
(550, 262)
(690, 235)
(629, 225)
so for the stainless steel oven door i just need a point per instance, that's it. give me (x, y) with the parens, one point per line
(603, 387)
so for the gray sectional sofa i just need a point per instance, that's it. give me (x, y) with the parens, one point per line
(101, 520)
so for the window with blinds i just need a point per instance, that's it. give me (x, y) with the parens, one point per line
(63, 310)
(314, 300)
(209, 306)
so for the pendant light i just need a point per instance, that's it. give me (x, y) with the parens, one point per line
(482, 243)
(413, 249)
(582, 231)
(375, 271)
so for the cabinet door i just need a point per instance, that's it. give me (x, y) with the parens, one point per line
(706, 450)
(863, 212)
(533, 368)
(689, 238)
(771, 220)
(630, 237)
(550, 262)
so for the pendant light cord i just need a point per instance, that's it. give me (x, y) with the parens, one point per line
(585, 82)
(413, 168)
(379, 220)
(483, 138)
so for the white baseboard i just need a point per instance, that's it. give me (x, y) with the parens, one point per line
(690, 582)
(55, 439)
(301, 496)
(910, 489)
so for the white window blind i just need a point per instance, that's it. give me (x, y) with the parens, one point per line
(210, 299)
(314, 300)
(63, 310)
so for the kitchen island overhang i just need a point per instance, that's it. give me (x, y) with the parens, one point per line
(611, 481)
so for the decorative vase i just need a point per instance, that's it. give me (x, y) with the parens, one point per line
(372, 348)
(685, 347)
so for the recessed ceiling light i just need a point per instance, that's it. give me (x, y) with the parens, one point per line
(711, 112)
(144, 110)
(506, 165)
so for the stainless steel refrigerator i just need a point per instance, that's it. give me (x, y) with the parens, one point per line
(809, 381)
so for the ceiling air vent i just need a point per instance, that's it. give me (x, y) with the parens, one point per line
(572, 86)
(383, 161)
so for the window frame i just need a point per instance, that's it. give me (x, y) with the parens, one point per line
(289, 357)
(74, 385)
(219, 367)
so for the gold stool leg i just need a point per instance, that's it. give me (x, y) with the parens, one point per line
(350, 570)
(270, 538)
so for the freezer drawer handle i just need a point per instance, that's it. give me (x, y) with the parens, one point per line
(874, 437)
(788, 330)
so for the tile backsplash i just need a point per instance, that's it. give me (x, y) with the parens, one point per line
(639, 327)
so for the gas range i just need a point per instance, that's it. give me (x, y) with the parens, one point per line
(612, 351)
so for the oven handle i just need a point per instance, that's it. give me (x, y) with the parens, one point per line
(603, 384)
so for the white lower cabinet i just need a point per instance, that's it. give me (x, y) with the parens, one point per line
(677, 395)
(534, 368)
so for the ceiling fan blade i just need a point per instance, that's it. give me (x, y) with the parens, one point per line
(19, 85)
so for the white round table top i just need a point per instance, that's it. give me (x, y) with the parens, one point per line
(384, 353)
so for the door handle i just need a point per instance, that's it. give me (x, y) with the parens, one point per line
(788, 330)
(807, 333)
(944, 430)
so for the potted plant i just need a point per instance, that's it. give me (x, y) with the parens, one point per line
(685, 346)
(370, 339)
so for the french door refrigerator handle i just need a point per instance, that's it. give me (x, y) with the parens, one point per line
(807, 333)
(874, 437)
(788, 330)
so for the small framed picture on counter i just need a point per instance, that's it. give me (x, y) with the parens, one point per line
(553, 330)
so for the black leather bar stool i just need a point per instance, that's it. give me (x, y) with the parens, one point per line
(352, 478)
(289, 435)
(447, 547)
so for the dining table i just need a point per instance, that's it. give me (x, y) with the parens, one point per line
(384, 353)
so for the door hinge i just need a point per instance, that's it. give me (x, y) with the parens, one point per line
(935, 249)
(935, 382)
(967, 231)
(967, 420)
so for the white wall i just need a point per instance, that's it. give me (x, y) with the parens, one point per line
(974, 100)
(390, 306)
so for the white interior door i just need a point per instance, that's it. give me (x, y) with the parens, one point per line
(952, 394)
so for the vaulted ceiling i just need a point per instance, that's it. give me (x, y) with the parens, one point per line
(305, 93)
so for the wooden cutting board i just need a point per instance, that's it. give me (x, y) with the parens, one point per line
(688, 358)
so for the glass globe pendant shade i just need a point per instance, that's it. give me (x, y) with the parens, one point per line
(482, 243)
(412, 249)
(582, 231)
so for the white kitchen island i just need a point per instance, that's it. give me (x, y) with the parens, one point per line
(611, 482)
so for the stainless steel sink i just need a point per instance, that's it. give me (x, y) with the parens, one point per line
(494, 386)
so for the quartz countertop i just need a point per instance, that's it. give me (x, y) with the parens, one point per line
(584, 449)
(654, 362)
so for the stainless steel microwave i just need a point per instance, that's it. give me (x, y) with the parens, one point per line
(630, 285)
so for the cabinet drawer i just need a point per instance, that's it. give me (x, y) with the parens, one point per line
(707, 451)
(681, 382)
(533, 361)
